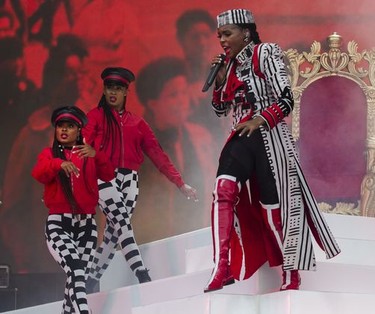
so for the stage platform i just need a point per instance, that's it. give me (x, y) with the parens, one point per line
(180, 267)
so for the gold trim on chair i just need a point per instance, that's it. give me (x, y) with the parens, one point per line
(308, 67)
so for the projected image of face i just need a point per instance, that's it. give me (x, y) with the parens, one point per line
(171, 109)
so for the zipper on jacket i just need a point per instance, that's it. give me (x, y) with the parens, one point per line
(122, 141)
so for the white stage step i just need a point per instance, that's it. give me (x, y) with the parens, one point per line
(286, 302)
(119, 301)
(181, 266)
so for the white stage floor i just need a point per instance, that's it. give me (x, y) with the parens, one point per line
(180, 267)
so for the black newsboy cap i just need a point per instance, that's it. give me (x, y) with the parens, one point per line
(69, 113)
(117, 75)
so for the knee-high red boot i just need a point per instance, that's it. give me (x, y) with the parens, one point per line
(272, 218)
(225, 198)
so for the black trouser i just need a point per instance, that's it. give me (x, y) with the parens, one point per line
(243, 157)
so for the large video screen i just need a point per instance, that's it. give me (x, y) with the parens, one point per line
(52, 54)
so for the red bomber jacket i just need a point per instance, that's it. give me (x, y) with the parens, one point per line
(127, 150)
(84, 187)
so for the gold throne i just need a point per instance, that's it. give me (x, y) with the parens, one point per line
(306, 70)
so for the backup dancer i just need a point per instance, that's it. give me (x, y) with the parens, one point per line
(124, 138)
(69, 171)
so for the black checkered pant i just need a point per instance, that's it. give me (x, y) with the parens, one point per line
(117, 200)
(71, 240)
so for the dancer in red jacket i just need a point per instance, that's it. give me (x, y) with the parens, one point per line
(124, 138)
(69, 171)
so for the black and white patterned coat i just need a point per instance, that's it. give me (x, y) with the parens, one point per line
(266, 92)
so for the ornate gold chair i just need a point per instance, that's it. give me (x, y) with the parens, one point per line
(334, 93)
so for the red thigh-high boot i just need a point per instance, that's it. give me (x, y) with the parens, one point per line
(225, 197)
(272, 218)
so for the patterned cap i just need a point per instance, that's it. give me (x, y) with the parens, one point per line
(236, 16)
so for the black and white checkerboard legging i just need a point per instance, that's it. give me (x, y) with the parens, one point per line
(117, 200)
(71, 240)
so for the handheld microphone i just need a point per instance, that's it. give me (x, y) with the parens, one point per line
(213, 72)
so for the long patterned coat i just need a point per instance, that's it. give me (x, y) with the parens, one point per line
(257, 85)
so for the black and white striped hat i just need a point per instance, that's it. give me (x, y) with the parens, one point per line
(236, 16)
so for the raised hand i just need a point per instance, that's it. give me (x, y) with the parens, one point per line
(84, 150)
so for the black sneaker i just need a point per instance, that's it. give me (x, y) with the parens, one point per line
(92, 285)
(142, 275)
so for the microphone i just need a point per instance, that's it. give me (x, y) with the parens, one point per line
(213, 72)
